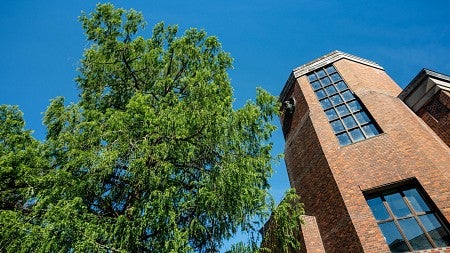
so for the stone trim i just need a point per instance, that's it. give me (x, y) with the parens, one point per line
(320, 62)
(421, 78)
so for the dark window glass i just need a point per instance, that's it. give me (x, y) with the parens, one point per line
(378, 208)
(342, 110)
(339, 102)
(321, 93)
(312, 77)
(347, 95)
(393, 237)
(397, 205)
(331, 90)
(331, 114)
(349, 122)
(414, 234)
(325, 103)
(335, 77)
(356, 134)
(370, 130)
(337, 126)
(325, 81)
(406, 219)
(416, 201)
(316, 85)
(336, 99)
(330, 70)
(354, 106)
(341, 86)
(344, 139)
(320, 73)
(434, 228)
(362, 117)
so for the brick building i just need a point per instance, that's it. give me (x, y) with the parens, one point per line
(371, 162)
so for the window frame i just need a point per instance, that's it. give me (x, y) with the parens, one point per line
(400, 188)
(353, 109)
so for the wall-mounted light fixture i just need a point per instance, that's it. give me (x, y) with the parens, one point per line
(289, 106)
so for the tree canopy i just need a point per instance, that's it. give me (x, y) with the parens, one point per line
(153, 157)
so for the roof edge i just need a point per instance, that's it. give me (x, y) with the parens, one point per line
(320, 62)
(417, 80)
(330, 58)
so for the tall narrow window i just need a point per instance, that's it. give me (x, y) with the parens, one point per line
(407, 221)
(349, 119)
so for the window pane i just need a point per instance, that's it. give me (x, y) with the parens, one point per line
(320, 73)
(344, 139)
(357, 135)
(342, 110)
(354, 106)
(336, 99)
(331, 114)
(370, 130)
(414, 234)
(378, 208)
(325, 103)
(331, 90)
(416, 200)
(439, 235)
(312, 77)
(337, 126)
(330, 69)
(397, 205)
(347, 95)
(325, 81)
(349, 122)
(316, 85)
(335, 77)
(362, 117)
(320, 94)
(341, 86)
(393, 238)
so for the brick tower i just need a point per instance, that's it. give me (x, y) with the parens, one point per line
(373, 176)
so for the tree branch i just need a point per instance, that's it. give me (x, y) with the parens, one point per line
(133, 75)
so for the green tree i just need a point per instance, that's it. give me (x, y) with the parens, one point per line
(281, 232)
(21, 164)
(153, 158)
(17, 156)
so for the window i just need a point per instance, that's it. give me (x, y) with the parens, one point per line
(407, 221)
(349, 120)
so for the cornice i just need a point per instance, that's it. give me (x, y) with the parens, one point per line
(321, 62)
(420, 78)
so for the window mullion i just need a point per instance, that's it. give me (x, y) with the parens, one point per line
(330, 92)
(416, 217)
(397, 224)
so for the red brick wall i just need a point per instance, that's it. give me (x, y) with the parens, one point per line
(438, 250)
(289, 122)
(313, 241)
(440, 125)
(331, 179)
(310, 175)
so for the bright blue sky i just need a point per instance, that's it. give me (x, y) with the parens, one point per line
(42, 41)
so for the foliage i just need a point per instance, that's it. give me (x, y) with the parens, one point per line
(153, 158)
(20, 166)
(282, 230)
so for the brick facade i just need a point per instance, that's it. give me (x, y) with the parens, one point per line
(312, 241)
(436, 115)
(332, 180)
